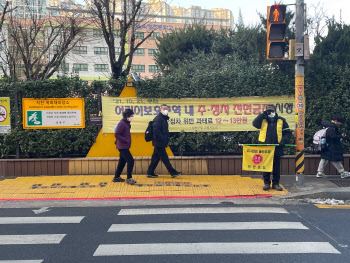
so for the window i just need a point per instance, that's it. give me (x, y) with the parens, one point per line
(139, 35)
(138, 68)
(117, 51)
(97, 33)
(101, 67)
(80, 67)
(152, 51)
(155, 35)
(37, 52)
(64, 67)
(116, 33)
(100, 50)
(139, 52)
(80, 50)
(153, 68)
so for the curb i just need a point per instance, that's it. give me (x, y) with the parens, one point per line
(128, 198)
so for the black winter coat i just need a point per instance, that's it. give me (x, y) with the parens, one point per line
(334, 151)
(160, 131)
(271, 133)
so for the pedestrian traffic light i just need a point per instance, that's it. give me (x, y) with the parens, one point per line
(276, 32)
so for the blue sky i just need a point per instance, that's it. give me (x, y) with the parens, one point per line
(250, 7)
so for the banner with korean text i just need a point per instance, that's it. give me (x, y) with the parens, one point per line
(258, 158)
(53, 113)
(195, 115)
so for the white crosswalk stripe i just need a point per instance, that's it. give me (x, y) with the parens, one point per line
(35, 239)
(22, 261)
(41, 220)
(31, 239)
(203, 248)
(212, 210)
(216, 248)
(205, 226)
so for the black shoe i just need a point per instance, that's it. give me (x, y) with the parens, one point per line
(130, 181)
(152, 175)
(118, 179)
(175, 174)
(277, 187)
(266, 187)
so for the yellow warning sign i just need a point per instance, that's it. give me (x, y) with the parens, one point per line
(258, 158)
(5, 120)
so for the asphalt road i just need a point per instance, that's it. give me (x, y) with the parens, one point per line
(190, 233)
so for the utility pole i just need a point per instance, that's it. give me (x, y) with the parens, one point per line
(299, 92)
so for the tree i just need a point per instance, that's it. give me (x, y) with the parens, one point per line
(183, 43)
(318, 21)
(119, 18)
(37, 43)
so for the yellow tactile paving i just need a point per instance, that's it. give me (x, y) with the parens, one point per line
(101, 186)
(334, 206)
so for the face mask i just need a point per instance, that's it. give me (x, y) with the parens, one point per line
(272, 114)
(164, 112)
(130, 119)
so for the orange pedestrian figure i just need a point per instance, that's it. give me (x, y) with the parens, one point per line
(276, 14)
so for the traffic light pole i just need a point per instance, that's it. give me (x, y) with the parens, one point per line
(299, 94)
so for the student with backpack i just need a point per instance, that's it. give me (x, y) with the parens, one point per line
(330, 146)
(123, 136)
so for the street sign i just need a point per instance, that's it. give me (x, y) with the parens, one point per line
(52, 113)
(5, 122)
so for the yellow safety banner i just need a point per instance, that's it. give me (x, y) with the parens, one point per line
(195, 115)
(53, 113)
(5, 122)
(258, 158)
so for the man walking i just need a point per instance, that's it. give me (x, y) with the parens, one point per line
(273, 130)
(334, 149)
(160, 142)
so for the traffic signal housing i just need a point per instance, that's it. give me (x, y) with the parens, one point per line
(276, 32)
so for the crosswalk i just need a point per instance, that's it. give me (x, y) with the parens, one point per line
(34, 239)
(251, 247)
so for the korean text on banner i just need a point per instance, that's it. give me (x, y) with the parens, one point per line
(195, 115)
(5, 122)
(258, 158)
(53, 113)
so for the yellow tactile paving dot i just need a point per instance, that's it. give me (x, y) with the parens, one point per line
(99, 187)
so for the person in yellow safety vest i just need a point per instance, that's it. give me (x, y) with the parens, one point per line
(273, 130)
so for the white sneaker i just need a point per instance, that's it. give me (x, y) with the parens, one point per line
(321, 175)
(345, 175)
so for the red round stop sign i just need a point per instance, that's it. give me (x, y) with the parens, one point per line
(257, 159)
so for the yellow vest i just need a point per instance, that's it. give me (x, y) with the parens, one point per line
(263, 130)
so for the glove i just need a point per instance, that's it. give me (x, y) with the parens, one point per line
(265, 114)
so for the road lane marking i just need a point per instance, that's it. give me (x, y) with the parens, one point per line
(31, 239)
(41, 220)
(334, 206)
(22, 261)
(211, 210)
(205, 226)
(216, 248)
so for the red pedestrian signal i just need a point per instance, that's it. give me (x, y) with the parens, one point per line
(276, 32)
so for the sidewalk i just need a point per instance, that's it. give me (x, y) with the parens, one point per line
(97, 187)
(102, 187)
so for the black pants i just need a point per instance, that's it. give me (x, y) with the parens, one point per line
(159, 153)
(276, 172)
(125, 157)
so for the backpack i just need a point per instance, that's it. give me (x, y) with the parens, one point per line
(149, 132)
(319, 140)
